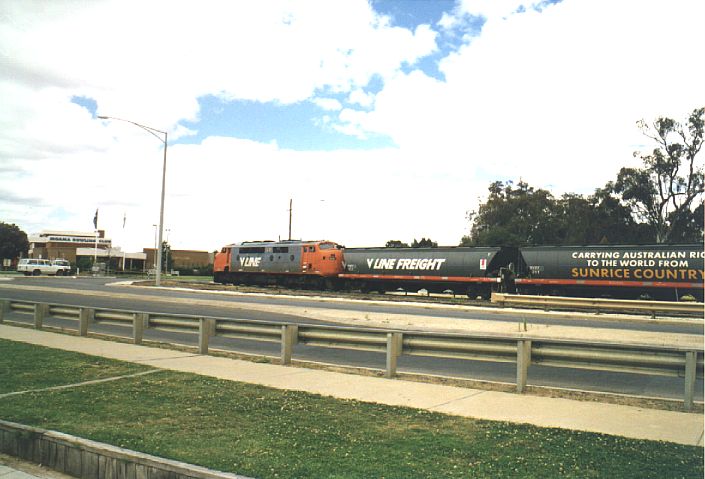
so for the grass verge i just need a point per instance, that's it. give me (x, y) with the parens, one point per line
(24, 367)
(265, 433)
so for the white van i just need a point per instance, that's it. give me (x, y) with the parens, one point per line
(35, 267)
(63, 267)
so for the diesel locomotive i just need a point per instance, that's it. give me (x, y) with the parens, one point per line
(288, 263)
(665, 272)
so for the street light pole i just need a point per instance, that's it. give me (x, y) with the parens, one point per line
(155, 249)
(154, 132)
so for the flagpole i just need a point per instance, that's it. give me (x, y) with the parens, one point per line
(124, 252)
(95, 250)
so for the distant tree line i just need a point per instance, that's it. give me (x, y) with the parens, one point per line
(423, 243)
(13, 242)
(661, 202)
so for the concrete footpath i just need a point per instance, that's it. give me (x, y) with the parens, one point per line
(14, 468)
(627, 421)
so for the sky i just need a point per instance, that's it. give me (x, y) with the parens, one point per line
(380, 120)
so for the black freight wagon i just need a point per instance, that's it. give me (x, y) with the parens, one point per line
(471, 271)
(665, 272)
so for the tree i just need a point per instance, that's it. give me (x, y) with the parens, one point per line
(395, 244)
(667, 192)
(166, 257)
(598, 219)
(13, 241)
(522, 215)
(513, 216)
(424, 243)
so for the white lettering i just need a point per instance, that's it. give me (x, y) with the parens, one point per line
(250, 262)
(427, 264)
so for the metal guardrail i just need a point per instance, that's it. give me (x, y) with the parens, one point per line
(598, 304)
(686, 362)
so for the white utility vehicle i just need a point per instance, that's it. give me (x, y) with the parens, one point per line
(36, 267)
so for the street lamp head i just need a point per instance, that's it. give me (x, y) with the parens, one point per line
(153, 132)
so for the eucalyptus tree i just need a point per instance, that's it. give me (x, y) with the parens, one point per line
(667, 192)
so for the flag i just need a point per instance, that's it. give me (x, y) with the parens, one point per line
(95, 219)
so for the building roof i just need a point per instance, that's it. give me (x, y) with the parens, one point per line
(110, 252)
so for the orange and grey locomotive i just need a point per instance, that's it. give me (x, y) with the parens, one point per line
(288, 263)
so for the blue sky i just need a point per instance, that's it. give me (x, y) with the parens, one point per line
(298, 127)
(380, 119)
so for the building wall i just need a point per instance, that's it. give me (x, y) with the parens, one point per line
(182, 258)
(54, 251)
(63, 244)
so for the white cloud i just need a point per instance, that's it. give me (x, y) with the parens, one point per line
(361, 98)
(330, 104)
(551, 96)
(153, 60)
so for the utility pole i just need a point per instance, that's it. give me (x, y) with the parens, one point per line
(290, 208)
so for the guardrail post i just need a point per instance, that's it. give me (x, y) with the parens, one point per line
(290, 336)
(139, 320)
(690, 367)
(523, 361)
(85, 317)
(4, 309)
(497, 298)
(40, 312)
(206, 328)
(394, 347)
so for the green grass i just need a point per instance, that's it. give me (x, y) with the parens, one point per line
(187, 278)
(266, 433)
(24, 367)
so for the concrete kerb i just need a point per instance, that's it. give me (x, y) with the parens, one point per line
(88, 459)
(628, 421)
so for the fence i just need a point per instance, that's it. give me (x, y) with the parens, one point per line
(522, 350)
(598, 304)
